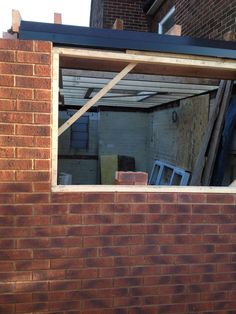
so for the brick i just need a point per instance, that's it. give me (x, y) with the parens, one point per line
(221, 198)
(16, 298)
(33, 82)
(42, 95)
(97, 283)
(129, 219)
(162, 198)
(6, 128)
(6, 152)
(48, 275)
(18, 141)
(41, 187)
(31, 307)
(81, 252)
(84, 273)
(8, 117)
(50, 209)
(6, 80)
(16, 255)
(7, 56)
(7, 287)
(66, 220)
(38, 153)
(7, 308)
(100, 262)
(82, 208)
(42, 70)
(97, 219)
(6, 266)
(49, 231)
(127, 282)
(114, 229)
(31, 286)
(66, 305)
(97, 303)
(14, 232)
(42, 118)
(43, 46)
(42, 164)
(131, 197)
(67, 198)
(32, 220)
(15, 276)
(6, 221)
(32, 198)
(34, 106)
(15, 187)
(33, 130)
(7, 175)
(32, 176)
(16, 93)
(7, 105)
(15, 164)
(49, 253)
(83, 230)
(16, 69)
(66, 263)
(176, 208)
(97, 241)
(32, 265)
(14, 44)
(32, 57)
(99, 197)
(66, 242)
(128, 240)
(114, 251)
(64, 285)
(32, 243)
(191, 198)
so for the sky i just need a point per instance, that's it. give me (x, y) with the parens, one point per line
(74, 12)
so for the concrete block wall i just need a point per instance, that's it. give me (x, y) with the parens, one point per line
(97, 252)
(124, 133)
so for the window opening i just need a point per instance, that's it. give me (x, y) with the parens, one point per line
(123, 121)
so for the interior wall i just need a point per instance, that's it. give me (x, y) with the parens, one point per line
(124, 133)
(178, 142)
(83, 171)
(163, 136)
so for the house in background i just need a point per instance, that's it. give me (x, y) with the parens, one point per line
(201, 19)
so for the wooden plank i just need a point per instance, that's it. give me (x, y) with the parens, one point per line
(81, 81)
(98, 96)
(216, 136)
(55, 102)
(146, 58)
(192, 121)
(200, 161)
(140, 77)
(175, 30)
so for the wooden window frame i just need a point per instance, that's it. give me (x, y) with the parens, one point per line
(132, 58)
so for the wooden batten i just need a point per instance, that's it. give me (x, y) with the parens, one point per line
(118, 24)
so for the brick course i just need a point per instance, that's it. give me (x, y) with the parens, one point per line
(101, 252)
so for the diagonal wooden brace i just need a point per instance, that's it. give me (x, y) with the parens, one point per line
(96, 98)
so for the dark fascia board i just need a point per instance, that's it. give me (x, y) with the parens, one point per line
(86, 37)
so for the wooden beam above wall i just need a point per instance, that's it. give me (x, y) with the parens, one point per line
(149, 63)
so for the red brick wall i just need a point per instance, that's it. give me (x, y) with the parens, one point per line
(131, 12)
(98, 252)
(209, 19)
